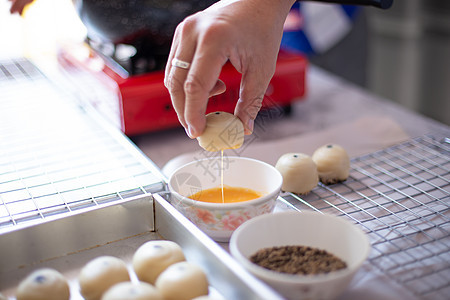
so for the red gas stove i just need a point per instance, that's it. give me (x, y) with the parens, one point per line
(131, 92)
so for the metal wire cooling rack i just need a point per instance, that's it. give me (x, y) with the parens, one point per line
(400, 197)
(55, 157)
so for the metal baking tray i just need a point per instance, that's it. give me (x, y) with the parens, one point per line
(119, 229)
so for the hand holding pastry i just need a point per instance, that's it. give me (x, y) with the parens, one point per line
(246, 33)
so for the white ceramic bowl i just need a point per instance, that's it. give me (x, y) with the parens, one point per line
(331, 233)
(219, 220)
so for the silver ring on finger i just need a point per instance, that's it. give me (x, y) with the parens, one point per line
(180, 64)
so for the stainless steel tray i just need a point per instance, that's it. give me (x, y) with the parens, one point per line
(119, 229)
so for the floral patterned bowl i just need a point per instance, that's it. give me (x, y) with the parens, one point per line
(219, 220)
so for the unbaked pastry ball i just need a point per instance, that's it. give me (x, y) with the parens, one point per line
(182, 281)
(155, 256)
(132, 291)
(223, 131)
(100, 274)
(333, 163)
(299, 173)
(44, 284)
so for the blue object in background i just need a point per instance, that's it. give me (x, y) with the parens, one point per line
(296, 38)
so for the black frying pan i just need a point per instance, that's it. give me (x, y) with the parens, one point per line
(151, 22)
(136, 22)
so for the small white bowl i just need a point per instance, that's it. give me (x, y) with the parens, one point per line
(331, 233)
(219, 220)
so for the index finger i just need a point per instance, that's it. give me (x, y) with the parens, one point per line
(200, 82)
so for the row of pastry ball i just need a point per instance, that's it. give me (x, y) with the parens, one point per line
(160, 266)
(301, 173)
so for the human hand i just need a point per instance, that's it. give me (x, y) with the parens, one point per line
(17, 6)
(245, 32)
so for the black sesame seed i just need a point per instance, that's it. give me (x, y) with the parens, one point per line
(330, 146)
(40, 279)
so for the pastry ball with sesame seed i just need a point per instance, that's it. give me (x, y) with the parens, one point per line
(223, 131)
(101, 273)
(333, 163)
(153, 257)
(299, 173)
(182, 281)
(128, 290)
(43, 284)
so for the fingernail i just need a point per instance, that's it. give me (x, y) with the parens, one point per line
(250, 125)
(187, 131)
(191, 132)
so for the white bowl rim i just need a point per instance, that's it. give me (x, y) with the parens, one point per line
(233, 205)
(293, 278)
